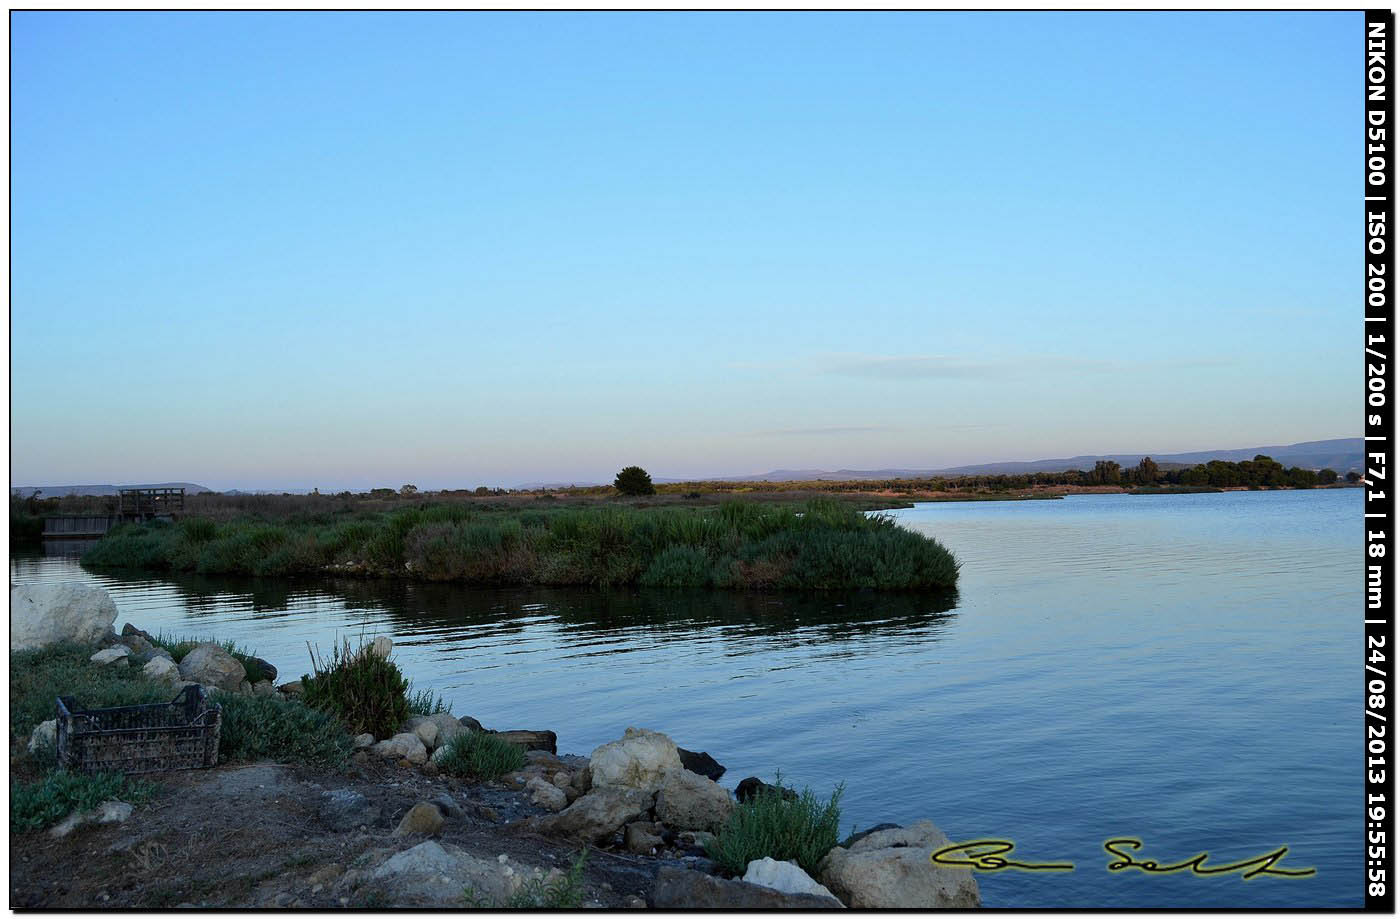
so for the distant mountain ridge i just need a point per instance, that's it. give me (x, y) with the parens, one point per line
(64, 491)
(1341, 454)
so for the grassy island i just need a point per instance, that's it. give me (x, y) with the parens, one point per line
(819, 544)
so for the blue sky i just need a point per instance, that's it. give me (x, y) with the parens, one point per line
(267, 250)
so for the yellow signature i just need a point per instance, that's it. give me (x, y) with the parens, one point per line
(988, 855)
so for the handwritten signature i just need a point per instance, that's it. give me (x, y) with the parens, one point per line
(987, 855)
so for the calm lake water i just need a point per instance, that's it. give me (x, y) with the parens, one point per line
(1182, 669)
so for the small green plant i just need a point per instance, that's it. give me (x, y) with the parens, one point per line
(481, 756)
(368, 693)
(263, 728)
(563, 892)
(35, 805)
(771, 824)
(424, 702)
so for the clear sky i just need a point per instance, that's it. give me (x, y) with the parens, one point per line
(268, 250)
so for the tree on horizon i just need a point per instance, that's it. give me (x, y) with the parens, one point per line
(634, 480)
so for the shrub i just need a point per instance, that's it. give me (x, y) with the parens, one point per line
(264, 728)
(634, 480)
(35, 805)
(366, 692)
(770, 824)
(481, 756)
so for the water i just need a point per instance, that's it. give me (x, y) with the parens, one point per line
(1182, 669)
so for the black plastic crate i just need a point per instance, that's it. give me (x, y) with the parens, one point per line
(133, 739)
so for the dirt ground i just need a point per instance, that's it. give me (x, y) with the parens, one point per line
(263, 835)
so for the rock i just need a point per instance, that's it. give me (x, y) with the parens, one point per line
(382, 646)
(161, 668)
(541, 758)
(432, 873)
(46, 614)
(692, 802)
(784, 876)
(448, 806)
(680, 888)
(447, 728)
(111, 655)
(44, 736)
(530, 740)
(438, 754)
(752, 786)
(269, 672)
(643, 837)
(639, 760)
(856, 837)
(106, 812)
(326, 874)
(141, 649)
(546, 794)
(264, 688)
(701, 764)
(344, 809)
(294, 688)
(596, 816)
(583, 781)
(891, 869)
(407, 746)
(421, 818)
(364, 741)
(563, 779)
(131, 631)
(424, 727)
(694, 839)
(245, 688)
(470, 723)
(211, 665)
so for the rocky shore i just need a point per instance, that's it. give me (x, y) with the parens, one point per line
(624, 826)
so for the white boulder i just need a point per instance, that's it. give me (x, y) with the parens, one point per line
(110, 655)
(640, 759)
(891, 869)
(406, 746)
(211, 665)
(45, 734)
(688, 801)
(163, 669)
(784, 876)
(46, 614)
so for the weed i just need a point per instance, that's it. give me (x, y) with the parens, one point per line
(264, 728)
(482, 756)
(770, 824)
(35, 805)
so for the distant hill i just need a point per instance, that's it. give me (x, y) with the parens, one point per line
(1342, 454)
(64, 491)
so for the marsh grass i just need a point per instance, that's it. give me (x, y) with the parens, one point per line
(481, 756)
(820, 544)
(771, 824)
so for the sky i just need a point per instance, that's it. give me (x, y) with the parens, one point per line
(296, 250)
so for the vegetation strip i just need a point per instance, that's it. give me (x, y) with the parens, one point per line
(821, 544)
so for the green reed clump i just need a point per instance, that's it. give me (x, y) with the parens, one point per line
(368, 693)
(38, 804)
(820, 544)
(426, 702)
(481, 756)
(257, 728)
(772, 824)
